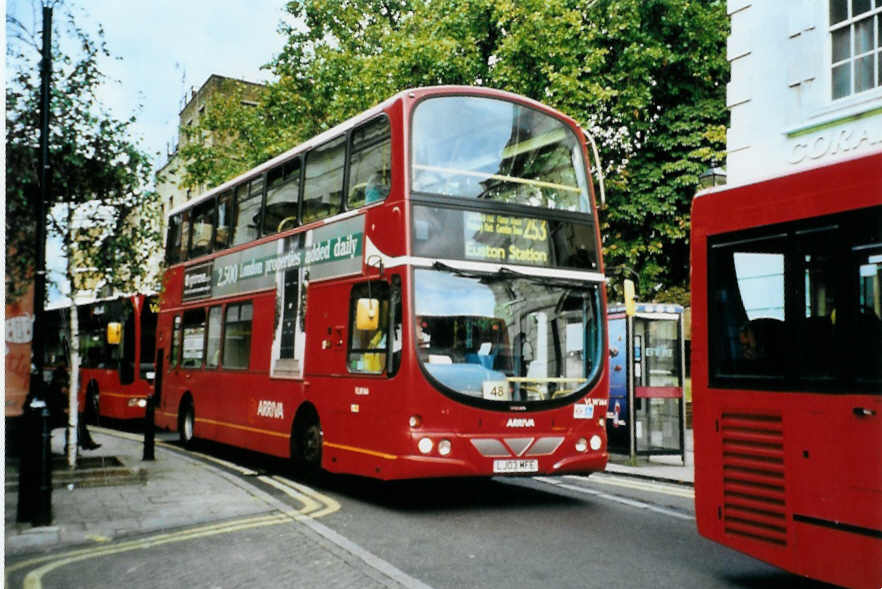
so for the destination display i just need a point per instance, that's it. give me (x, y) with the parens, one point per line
(328, 251)
(441, 232)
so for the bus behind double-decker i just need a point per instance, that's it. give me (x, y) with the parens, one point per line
(117, 345)
(417, 292)
(787, 370)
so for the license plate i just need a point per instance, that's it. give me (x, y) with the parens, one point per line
(508, 466)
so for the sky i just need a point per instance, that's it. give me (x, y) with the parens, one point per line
(161, 49)
(166, 47)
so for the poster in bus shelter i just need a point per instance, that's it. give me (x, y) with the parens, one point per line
(503, 239)
(329, 251)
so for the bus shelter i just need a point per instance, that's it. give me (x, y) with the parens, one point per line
(647, 408)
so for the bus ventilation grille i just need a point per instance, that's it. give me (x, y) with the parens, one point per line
(754, 493)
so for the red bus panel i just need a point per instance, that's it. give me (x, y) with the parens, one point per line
(787, 370)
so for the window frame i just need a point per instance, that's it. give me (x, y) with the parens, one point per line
(220, 338)
(203, 310)
(352, 149)
(874, 14)
(343, 140)
(377, 287)
(800, 239)
(224, 344)
(300, 161)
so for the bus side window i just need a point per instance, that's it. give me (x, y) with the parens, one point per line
(193, 352)
(185, 236)
(323, 182)
(370, 163)
(202, 228)
(246, 219)
(282, 197)
(173, 240)
(224, 219)
(237, 336)
(868, 322)
(213, 347)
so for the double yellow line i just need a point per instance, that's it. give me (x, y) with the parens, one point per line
(314, 504)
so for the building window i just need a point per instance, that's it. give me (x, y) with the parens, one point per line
(856, 46)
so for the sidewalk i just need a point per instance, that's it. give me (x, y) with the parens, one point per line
(133, 498)
(661, 468)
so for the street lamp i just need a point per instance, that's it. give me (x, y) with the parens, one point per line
(713, 176)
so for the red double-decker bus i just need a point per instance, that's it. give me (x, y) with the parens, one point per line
(787, 370)
(417, 292)
(117, 346)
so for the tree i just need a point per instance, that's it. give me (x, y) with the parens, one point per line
(646, 77)
(107, 219)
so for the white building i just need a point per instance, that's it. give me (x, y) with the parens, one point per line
(806, 85)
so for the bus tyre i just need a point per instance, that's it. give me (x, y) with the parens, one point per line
(186, 421)
(307, 446)
(92, 409)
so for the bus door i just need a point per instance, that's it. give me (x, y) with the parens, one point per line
(372, 356)
(358, 349)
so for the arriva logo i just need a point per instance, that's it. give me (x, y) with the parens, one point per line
(273, 409)
(520, 422)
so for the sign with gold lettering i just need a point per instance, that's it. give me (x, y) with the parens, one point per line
(500, 238)
(440, 232)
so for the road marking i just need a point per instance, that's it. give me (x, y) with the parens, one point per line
(33, 580)
(638, 485)
(622, 500)
(309, 504)
(330, 504)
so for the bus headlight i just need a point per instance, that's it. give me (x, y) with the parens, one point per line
(581, 445)
(138, 403)
(415, 421)
(444, 447)
(596, 442)
(425, 445)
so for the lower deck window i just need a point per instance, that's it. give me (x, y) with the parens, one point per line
(237, 335)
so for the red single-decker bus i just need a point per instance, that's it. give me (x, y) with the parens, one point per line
(787, 370)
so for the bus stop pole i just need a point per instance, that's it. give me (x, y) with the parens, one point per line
(149, 430)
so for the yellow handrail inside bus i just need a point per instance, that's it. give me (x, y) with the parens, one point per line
(282, 223)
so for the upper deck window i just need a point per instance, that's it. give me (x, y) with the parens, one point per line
(323, 184)
(472, 147)
(202, 228)
(370, 163)
(856, 46)
(282, 196)
(247, 221)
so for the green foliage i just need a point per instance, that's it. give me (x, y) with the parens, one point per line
(97, 197)
(646, 77)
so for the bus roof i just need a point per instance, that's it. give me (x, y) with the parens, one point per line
(414, 93)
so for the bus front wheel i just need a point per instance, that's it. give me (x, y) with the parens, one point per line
(306, 444)
(186, 421)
